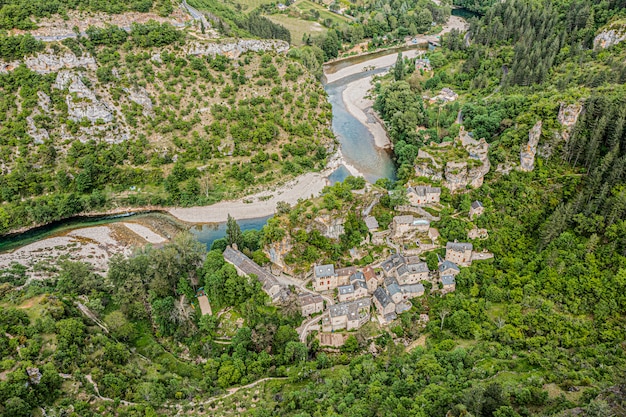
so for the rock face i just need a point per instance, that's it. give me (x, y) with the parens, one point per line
(276, 251)
(568, 116)
(140, 96)
(235, 49)
(610, 36)
(330, 227)
(47, 63)
(528, 152)
(81, 101)
(456, 174)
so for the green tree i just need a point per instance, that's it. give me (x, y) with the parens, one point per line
(398, 69)
(233, 233)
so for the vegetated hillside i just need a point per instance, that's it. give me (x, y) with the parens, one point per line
(151, 117)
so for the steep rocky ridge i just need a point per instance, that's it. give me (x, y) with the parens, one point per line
(459, 164)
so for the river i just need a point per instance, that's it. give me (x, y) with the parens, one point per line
(355, 139)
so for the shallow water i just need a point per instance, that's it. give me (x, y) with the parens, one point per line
(208, 233)
(355, 139)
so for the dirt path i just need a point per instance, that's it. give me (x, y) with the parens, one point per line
(95, 387)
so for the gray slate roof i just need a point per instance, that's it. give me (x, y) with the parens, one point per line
(447, 265)
(459, 246)
(346, 289)
(476, 204)
(323, 271)
(382, 297)
(447, 280)
(412, 289)
(248, 266)
(422, 190)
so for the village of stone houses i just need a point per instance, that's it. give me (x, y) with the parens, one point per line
(337, 301)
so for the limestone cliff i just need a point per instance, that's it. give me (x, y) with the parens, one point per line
(459, 165)
(235, 49)
(611, 35)
(528, 152)
(568, 116)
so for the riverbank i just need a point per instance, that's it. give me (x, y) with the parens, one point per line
(360, 105)
(372, 64)
(263, 204)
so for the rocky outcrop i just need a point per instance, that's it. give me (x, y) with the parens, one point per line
(441, 162)
(140, 96)
(610, 36)
(81, 101)
(39, 135)
(47, 62)
(235, 49)
(528, 152)
(43, 100)
(568, 116)
(329, 226)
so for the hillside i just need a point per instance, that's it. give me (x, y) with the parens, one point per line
(156, 116)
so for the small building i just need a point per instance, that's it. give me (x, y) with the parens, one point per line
(448, 284)
(310, 304)
(402, 225)
(371, 223)
(324, 277)
(448, 268)
(412, 291)
(393, 289)
(281, 7)
(422, 195)
(459, 252)
(476, 209)
(412, 273)
(349, 316)
(343, 275)
(391, 264)
(246, 266)
(446, 95)
(359, 284)
(403, 306)
(345, 293)
(383, 302)
(371, 280)
(423, 64)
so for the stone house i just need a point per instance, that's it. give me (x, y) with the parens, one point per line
(459, 252)
(343, 275)
(310, 304)
(448, 284)
(448, 268)
(371, 223)
(371, 280)
(345, 293)
(349, 316)
(360, 285)
(476, 209)
(394, 290)
(412, 273)
(246, 266)
(324, 278)
(412, 291)
(383, 302)
(423, 194)
(391, 264)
